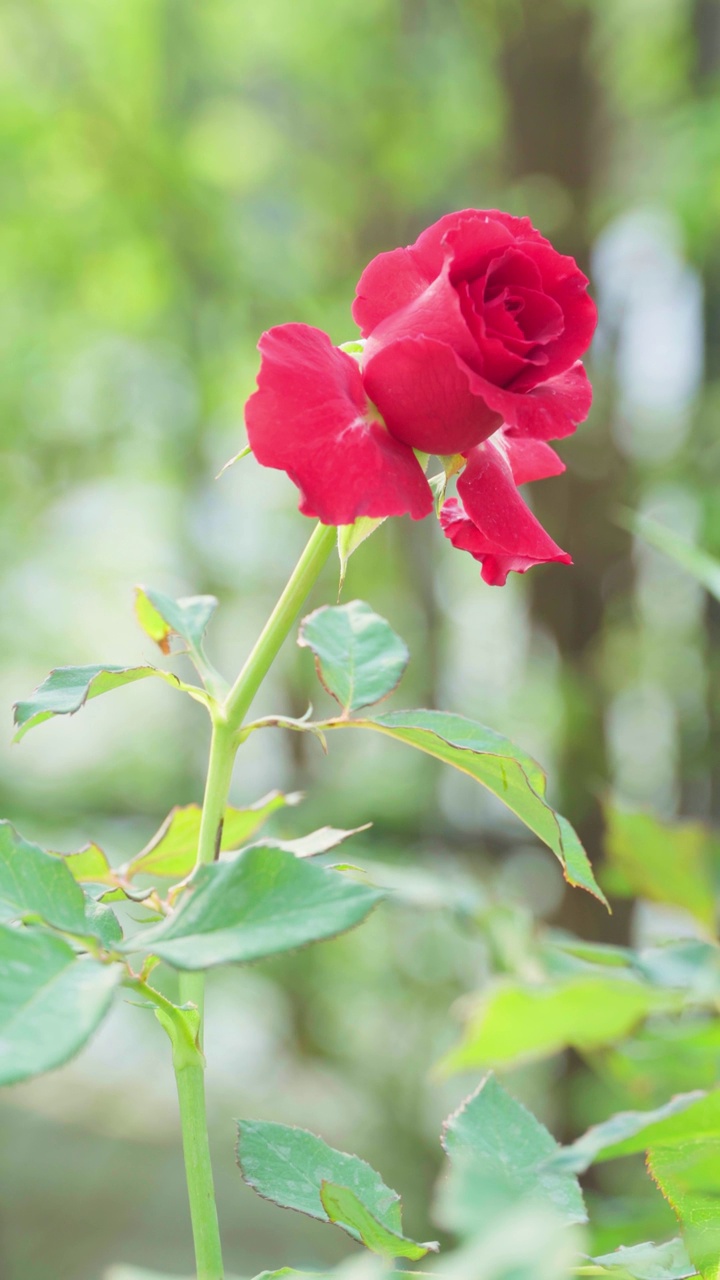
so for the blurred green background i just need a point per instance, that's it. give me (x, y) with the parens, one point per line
(176, 177)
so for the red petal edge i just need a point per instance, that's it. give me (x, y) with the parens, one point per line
(531, 459)
(548, 412)
(311, 418)
(493, 523)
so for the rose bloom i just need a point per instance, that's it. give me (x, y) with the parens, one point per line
(473, 337)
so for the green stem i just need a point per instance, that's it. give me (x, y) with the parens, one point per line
(278, 624)
(220, 767)
(223, 750)
(227, 723)
(198, 1170)
(182, 1026)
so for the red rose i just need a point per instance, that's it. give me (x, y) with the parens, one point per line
(474, 335)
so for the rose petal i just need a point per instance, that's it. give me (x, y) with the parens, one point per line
(435, 313)
(433, 401)
(531, 459)
(520, 228)
(476, 233)
(495, 357)
(564, 282)
(549, 411)
(395, 279)
(512, 269)
(388, 283)
(471, 236)
(425, 394)
(539, 317)
(546, 412)
(310, 417)
(493, 523)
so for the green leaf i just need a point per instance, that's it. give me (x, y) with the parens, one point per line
(104, 924)
(315, 842)
(650, 1261)
(688, 1174)
(67, 689)
(295, 1169)
(38, 886)
(358, 656)
(499, 1152)
(289, 1166)
(514, 777)
(663, 862)
(162, 617)
(634, 1126)
(682, 1141)
(34, 884)
(697, 1121)
(346, 1210)
(237, 457)
(351, 536)
(50, 1001)
(520, 1022)
(89, 865)
(691, 965)
(364, 1267)
(173, 849)
(449, 888)
(667, 1055)
(703, 567)
(527, 1241)
(264, 902)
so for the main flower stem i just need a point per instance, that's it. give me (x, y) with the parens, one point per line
(278, 624)
(223, 749)
(227, 723)
(198, 1170)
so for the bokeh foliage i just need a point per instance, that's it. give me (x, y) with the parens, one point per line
(177, 177)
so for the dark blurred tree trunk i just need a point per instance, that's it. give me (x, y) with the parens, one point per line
(556, 129)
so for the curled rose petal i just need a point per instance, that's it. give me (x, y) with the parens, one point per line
(493, 523)
(311, 418)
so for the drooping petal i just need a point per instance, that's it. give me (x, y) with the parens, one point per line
(425, 394)
(493, 523)
(531, 459)
(310, 417)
